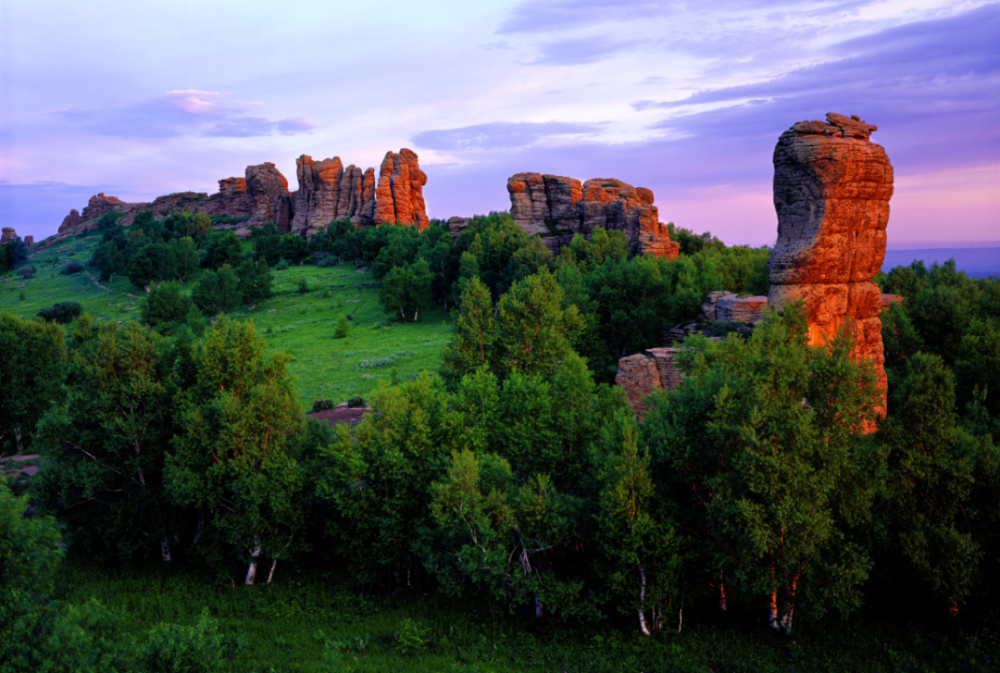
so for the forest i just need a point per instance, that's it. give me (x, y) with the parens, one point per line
(503, 510)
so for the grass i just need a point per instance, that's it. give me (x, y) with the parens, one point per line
(299, 324)
(324, 624)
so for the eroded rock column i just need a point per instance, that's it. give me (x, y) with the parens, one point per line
(832, 187)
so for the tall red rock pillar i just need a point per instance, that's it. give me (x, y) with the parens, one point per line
(832, 187)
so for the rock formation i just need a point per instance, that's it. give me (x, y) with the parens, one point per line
(267, 191)
(558, 207)
(71, 221)
(727, 307)
(832, 187)
(641, 374)
(327, 192)
(29, 240)
(400, 193)
(7, 234)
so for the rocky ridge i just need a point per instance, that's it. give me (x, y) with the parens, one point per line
(558, 207)
(327, 191)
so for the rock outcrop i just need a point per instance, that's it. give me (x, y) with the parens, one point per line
(327, 191)
(400, 193)
(558, 207)
(727, 307)
(267, 191)
(641, 374)
(832, 187)
(7, 234)
(101, 204)
(29, 240)
(71, 221)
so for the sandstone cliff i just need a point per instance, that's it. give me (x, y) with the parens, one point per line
(832, 187)
(267, 192)
(399, 197)
(558, 207)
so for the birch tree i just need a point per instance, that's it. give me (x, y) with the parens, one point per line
(234, 460)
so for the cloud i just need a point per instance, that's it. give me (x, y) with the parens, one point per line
(176, 113)
(500, 135)
(583, 50)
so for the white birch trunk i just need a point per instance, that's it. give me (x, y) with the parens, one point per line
(270, 575)
(642, 603)
(680, 616)
(252, 571)
(539, 608)
(165, 550)
(773, 608)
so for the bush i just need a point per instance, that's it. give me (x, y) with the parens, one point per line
(165, 306)
(71, 268)
(281, 265)
(323, 405)
(61, 312)
(327, 261)
(343, 328)
(173, 648)
(217, 291)
(29, 271)
(303, 287)
(355, 402)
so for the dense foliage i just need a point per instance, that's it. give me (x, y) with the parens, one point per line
(515, 482)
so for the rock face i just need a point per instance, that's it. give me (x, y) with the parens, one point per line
(100, 204)
(832, 187)
(29, 240)
(400, 193)
(889, 299)
(7, 234)
(558, 207)
(267, 191)
(641, 374)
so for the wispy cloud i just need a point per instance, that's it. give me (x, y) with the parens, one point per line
(183, 112)
(497, 135)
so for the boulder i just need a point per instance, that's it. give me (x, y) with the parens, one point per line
(641, 374)
(267, 191)
(558, 207)
(708, 309)
(832, 187)
(456, 225)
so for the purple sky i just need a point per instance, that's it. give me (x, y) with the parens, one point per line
(687, 99)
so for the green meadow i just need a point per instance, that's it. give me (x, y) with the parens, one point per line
(377, 348)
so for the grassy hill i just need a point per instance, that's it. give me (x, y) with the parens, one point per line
(302, 325)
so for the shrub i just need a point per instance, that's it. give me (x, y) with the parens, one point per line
(173, 648)
(303, 287)
(343, 328)
(165, 306)
(71, 268)
(327, 261)
(355, 402)
(28, 271)
(323, 405)
(281, 265)
(61, 312)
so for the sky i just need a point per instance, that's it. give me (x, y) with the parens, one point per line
(686, 98)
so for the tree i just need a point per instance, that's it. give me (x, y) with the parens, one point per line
(934, 465)
(32, 371)
(534, 332)
(108, 444)
(762, 445)
(154, 261)
(255, 282)
(234, 459)
(61, 312)
(164, 306)
(222, 248)
(217, 291)
(379, 476)
(186, 257)
(472, 346)
(407, 289)
(637, 535)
